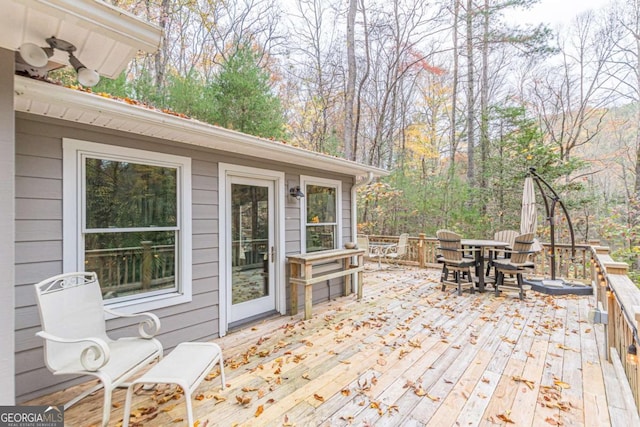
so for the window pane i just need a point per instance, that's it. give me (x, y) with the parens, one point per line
(321, 204)
(320, 237)
(132, 263)
(125, 195)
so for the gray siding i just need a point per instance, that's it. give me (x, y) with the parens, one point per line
(38, 244)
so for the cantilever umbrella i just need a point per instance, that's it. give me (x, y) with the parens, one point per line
(529, 216)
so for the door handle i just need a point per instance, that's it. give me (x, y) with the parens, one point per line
(273, 253)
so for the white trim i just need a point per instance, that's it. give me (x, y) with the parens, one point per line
(45, 99)
(72, 152)
(224, 171)
(312, 180)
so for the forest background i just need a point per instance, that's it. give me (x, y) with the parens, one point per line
(451, 97)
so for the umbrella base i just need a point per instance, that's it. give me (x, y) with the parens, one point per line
(559, 287)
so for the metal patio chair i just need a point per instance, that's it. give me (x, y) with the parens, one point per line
(75, 338)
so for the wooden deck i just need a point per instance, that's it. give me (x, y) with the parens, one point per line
(406, 355)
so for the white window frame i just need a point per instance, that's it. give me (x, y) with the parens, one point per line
(73, 153)
(324, 182)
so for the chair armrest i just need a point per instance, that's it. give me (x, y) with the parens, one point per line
(151, 322)
(510, 251)
(93, 357)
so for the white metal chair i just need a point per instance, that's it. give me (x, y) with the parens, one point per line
(398, 251)
(76, 342)
(369, 252)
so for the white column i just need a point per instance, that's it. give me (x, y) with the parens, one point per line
(7, 229)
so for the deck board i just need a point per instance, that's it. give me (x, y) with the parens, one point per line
(406, 354)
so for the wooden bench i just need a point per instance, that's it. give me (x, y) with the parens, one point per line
(301, 273)
(186, 366)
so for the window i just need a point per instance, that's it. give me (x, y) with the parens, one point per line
(127, 217)
(322, 217)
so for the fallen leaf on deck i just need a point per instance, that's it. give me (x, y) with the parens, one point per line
(318, 397)
(199, 397)
(259, 411)
(529, 383)
(286, 422)
(305, 376)
(505, 418)
(243, 400)
(382, 362)
(420, 392)
(553, 421)
(219, 398)
(169, 408)
(564, 347)
(345, 392)
(178, 420)
(561, 384)
(248, 389)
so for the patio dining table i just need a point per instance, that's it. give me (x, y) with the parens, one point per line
(379, 249)
(481, 245)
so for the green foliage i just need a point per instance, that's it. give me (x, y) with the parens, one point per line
(242, 99)
(189, 95)
(116, 87)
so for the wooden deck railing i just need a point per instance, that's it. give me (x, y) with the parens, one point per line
(618, 297)
(423, 250)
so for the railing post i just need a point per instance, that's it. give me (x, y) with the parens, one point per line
(422, 249)
(145, 274)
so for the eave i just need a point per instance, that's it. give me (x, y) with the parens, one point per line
(106, 37)
(45, 99)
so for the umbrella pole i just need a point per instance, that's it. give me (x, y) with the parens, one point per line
(550, 217)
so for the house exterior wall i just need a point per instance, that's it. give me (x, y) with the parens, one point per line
(7, 227)
(39, 237)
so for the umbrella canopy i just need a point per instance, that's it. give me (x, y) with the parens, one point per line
(529, 216)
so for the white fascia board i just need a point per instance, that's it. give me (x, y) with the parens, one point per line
(46, 99)
(106, 19)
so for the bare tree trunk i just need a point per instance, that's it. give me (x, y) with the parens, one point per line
(484, 100)
(349, 151)
(363, 80)
(470, 97)
(454, 89)
(161, 56)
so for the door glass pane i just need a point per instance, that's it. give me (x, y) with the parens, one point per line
(250, 242)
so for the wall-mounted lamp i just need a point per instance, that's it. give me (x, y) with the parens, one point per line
(632, 354)
(296, 192)
(38, 57)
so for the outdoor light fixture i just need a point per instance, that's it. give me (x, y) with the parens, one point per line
(38, 57)
(632, 354)
(296, 192)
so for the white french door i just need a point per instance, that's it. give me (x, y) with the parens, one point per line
(251, 247)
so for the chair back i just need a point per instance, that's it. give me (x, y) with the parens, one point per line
(403, 243)
(450, 245)
(507, 236)
(70, 306)
(522, 249)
